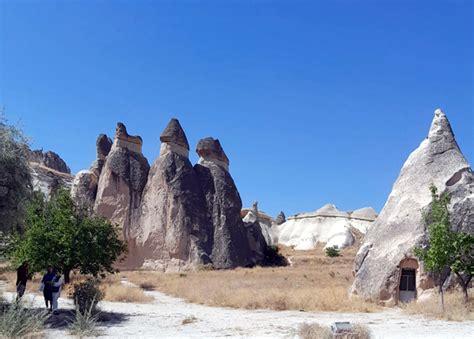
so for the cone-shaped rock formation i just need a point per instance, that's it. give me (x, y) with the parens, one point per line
(233, 243)
(122, 179)
(389, 244)
(171, 223)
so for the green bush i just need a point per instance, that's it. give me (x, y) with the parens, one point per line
(332, 251)
(86, 295)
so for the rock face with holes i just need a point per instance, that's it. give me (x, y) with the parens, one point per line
(122, 179)
(389, 244)
(172, 230)
(233, 242)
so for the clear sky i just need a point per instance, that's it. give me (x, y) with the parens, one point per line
(314, 102)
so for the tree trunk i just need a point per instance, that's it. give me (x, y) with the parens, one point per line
(67, 272)
(441, 293)
(464, 284)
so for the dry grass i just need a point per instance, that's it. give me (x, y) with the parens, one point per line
(455, 308)
(114, 290)
(317, 331)
(314, 283)
(314, 331)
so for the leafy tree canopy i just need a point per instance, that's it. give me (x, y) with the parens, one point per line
(15, 178)
(58, 234)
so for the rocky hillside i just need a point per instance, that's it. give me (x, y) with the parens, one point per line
(49, 171)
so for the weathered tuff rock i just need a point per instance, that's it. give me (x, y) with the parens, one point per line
(234, 244)
(327, 225)
(122, 180)
(48, 172)
(254, 216)
(84, 186)
(280, 219)
(50, 160)
(171, 225)
(389, 245)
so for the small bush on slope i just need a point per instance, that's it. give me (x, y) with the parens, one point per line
(332, 252)
(17, 321)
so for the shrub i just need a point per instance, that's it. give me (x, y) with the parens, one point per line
(17, 321)
(147, 286)
(84, 324)
(332, 251)
(86, 295)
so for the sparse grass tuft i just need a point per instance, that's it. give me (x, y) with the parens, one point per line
(84, 324)
(455, 308)
(189, 320)
(17, 321)
(314, 331)
(317, 331)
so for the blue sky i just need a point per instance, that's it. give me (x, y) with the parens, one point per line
(313, 101)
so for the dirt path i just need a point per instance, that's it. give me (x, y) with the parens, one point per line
(164, 318)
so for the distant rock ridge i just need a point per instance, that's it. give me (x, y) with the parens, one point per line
(174, 216)
(49, 159)
(389, 244)
(49, 172)
(330, 210)
(327, 225)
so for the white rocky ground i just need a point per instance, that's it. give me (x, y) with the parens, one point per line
(164, 319)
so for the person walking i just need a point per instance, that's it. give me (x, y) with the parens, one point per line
(56, 287)
(48, 287)
(21, 279)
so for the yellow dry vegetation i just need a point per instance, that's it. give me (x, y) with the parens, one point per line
(314, 282)
(115, 290)
(455, 308)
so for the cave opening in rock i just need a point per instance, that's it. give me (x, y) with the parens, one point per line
(407, 285)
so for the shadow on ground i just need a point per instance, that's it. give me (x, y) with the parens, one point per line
(64, 318)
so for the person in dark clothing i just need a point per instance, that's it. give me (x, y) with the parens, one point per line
(47, 281)
(21, 279)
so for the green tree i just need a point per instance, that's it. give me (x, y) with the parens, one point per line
(15, 178)
(463, 260)
(58, 234)
(437, 257)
